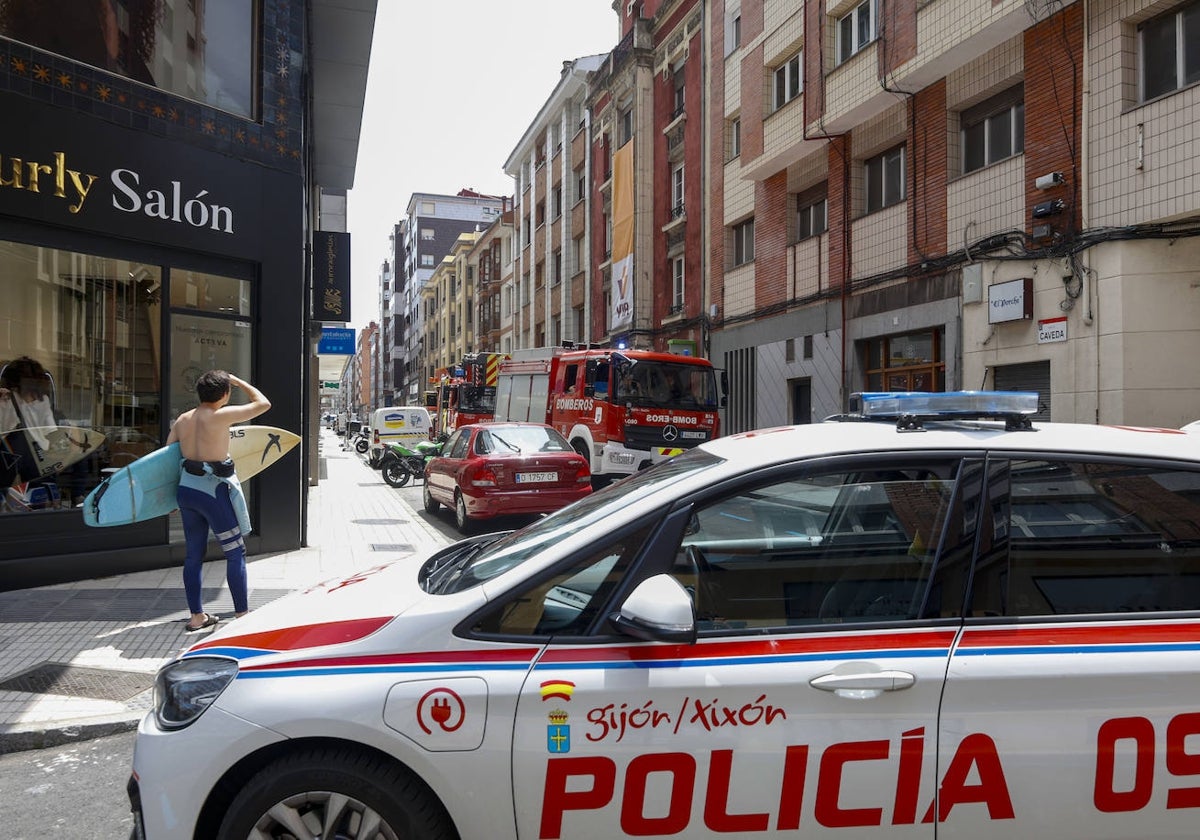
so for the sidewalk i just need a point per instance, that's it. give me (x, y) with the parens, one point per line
(78, 660)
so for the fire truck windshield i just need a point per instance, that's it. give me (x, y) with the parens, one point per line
(481, 398)
(666, 384)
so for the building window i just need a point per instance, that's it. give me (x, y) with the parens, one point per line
(626, 126)
(733, 31)
(885, 179)
(787, 82)
(428, 208)
(911, 362)
(557, 277)
(134, 40)
(994, 130)
(677, 285)
(556, 201)
(580, 187)
(810, 217)
(679, 94)
(427, 233)
(1170, 51)
(677, 192)
(427, 260)
(735, 137)
(856, 30)
(743, 242)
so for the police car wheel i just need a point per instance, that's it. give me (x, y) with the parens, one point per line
(461, 520)
(352, 795)
(396, 474)
(431, 504)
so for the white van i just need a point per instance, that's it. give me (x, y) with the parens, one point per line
(406, 424)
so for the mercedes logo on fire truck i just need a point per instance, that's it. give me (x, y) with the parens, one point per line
(670, 433)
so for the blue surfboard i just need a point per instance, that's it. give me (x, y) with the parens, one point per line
(146, 488)
(143, 490)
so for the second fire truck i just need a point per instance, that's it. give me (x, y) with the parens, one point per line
(467, 393)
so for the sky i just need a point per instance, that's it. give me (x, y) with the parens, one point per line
(451, 88)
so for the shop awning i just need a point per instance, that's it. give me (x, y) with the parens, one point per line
(341, 51)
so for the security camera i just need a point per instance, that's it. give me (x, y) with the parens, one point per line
(1045, 182)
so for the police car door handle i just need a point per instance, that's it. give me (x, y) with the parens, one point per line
(867, 681)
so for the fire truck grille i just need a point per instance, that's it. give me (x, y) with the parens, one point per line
(648, 437)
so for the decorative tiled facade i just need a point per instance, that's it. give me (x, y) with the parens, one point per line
(274, 139)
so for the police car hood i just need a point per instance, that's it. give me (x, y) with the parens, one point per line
(341, 610)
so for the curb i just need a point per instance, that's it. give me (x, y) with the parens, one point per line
(36, 736)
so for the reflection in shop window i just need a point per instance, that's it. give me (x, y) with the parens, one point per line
(201, 344)
(92, 324)
(202, 51)
(209, 292)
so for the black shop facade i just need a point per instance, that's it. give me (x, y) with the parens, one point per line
(130, 263)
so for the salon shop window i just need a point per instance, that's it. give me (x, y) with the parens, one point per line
(83, 359)
(208, 52)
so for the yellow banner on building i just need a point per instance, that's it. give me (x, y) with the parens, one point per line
(622, 244)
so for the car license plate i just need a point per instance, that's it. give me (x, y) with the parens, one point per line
(534, 477)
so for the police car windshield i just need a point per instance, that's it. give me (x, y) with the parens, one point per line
(513, 549)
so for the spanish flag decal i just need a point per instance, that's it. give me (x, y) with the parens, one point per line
(557, 689)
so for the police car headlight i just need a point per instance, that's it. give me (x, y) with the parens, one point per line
(184, 689)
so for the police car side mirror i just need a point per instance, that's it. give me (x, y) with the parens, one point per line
(658, 610)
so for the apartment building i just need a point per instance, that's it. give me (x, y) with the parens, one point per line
(425, 237)
(491, 262)
(550, 168)
(944, 195)
(448, 302)
(648, 107)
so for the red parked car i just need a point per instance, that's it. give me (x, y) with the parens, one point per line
(500, 469)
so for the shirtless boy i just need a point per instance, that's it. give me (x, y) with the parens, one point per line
(209, 495)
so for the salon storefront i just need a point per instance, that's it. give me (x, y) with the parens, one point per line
(131, 262)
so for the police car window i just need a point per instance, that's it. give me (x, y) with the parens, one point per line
(568, 602)
(512, 550)
(1078, 537)
(847, 546)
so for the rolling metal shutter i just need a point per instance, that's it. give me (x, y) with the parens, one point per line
(1031, 376)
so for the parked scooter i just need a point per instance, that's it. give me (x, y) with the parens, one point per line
(401, 463)
(361, 442)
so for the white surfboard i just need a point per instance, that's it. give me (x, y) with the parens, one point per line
(63, 447)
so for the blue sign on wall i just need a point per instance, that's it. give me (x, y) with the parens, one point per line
(336, 341)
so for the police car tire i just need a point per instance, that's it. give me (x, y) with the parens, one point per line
(431, 504)
(402, 801)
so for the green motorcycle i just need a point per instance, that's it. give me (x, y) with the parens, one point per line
(401, 463)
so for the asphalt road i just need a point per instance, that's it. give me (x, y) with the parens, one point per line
(72, 792)
(443, 520)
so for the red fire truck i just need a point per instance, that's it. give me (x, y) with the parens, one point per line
(466, 393)
(620, 409)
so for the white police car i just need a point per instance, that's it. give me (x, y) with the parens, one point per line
(935, 626)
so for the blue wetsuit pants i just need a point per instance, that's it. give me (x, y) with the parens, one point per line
(203, 511)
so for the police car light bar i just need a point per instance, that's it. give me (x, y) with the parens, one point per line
(1011, 406)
